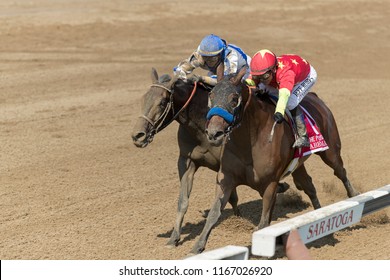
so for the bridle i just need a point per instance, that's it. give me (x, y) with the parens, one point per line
(236, 120)
(157, 125)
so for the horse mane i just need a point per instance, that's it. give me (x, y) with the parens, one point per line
(189, 82)
(265, 98)
(225, 85)
(165, 78)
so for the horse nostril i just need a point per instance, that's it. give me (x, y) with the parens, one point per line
(218, 134)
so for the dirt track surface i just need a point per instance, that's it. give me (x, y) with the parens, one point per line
(72, 184)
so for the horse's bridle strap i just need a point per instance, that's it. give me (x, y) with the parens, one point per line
(161, 86)
(160, 120)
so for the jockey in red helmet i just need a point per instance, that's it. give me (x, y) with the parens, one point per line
(219, 58)
(291, 77)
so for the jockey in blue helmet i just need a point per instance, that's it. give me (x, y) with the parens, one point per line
(219, 58)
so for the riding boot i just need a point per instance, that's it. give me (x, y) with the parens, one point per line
(303, 139)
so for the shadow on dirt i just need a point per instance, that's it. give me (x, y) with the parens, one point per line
(251, 211)
(286, 204)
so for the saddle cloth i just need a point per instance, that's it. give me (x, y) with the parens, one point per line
(317, 141)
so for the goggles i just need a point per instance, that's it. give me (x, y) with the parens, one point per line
(263, 77)
(211, 60)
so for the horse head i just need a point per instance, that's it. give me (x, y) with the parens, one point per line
(157, 109)
(225, 102)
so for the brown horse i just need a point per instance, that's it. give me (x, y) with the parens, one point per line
(242, 124)
(187, 103)
(167, 100)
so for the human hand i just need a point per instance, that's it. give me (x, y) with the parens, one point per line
(196, 78)
(250, 82)
(294, 247)
(278, 117)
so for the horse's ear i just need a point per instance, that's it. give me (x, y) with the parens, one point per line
(154, 75)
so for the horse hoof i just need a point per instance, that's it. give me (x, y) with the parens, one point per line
(189, 255)
(283, 187)
(170, 246)
(204, 214)
(196, 250)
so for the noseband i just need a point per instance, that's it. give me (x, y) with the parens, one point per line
(233, 120)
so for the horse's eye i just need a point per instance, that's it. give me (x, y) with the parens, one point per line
(234, 99)
(163, 103)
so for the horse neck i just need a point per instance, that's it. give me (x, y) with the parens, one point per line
(196, 110)
(255, 116)
(258, 109)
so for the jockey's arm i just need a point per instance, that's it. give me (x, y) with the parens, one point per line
(220, 71)
(186, 66)
(286, 83)
(284, 94)
(237, 78)
(209, 80)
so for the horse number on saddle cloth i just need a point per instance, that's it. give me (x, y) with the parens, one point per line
(317, 141)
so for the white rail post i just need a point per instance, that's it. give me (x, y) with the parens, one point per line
(321, 222)
(225, 253)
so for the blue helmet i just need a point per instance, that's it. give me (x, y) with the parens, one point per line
(211, 45)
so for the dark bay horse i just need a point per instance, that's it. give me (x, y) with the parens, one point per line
(242, 125)
(167, 100)
(170, 99)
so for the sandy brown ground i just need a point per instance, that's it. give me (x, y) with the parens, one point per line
(72, 184)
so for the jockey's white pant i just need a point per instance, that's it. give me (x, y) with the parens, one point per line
(300, 90)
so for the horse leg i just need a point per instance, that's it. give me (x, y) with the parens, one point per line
(269, 198)
(233, 200)
(333, 159)
(222, 196)
(187, 169)
(282, 187)
(303, 181)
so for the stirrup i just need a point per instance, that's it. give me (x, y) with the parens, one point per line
(301, 142)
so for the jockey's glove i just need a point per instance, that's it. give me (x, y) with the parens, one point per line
(209, 80)
(278, 117)
(250, 82)
(178, 72)
(196, 78)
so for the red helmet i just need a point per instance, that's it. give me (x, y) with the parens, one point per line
(262, 62)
